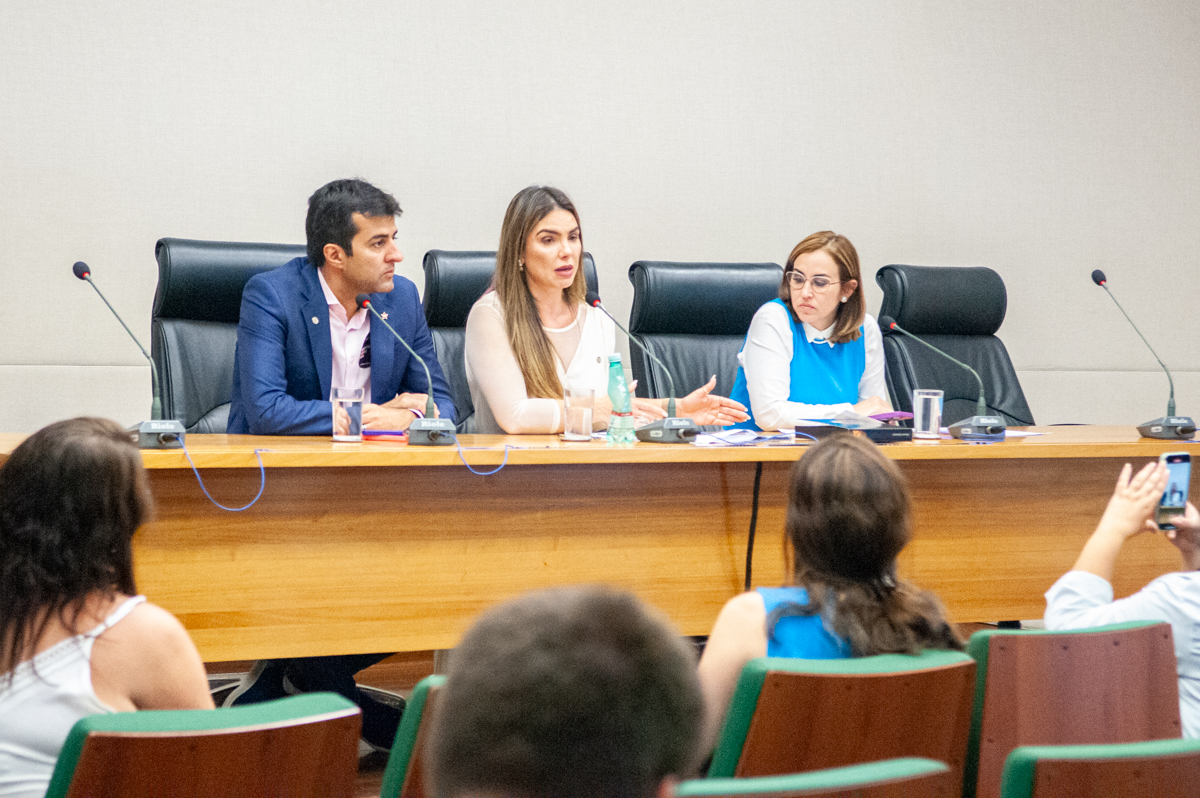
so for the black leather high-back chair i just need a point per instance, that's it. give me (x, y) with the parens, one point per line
(453, 281)
(694, 317)
(958, 310)
(193, 327)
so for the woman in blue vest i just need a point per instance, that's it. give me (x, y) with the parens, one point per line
(813, 352)
(849, 516)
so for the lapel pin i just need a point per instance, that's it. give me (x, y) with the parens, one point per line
(316, 320)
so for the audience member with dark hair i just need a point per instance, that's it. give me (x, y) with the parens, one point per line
(75, 638)
(849, 516)
(567, 693)
(1083, 596)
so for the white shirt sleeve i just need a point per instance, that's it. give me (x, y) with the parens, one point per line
(873, 382)
(498, 387)
(767, 361)
(1079, 600)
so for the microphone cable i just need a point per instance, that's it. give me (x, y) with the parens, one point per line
(262, 481)
(754, 513)
(461, 449)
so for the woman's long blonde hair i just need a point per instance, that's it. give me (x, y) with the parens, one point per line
(528, 340)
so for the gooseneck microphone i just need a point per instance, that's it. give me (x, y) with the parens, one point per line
(982, 426)
(156, 433)
(428, 431)
(1170, 426)
(666, 430)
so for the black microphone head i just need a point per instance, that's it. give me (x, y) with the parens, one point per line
(363, 300)
(81, 270)
(593, 298)
(1098, 277)
(886, 322)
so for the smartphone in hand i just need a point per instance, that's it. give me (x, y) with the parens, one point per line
(1175, 497)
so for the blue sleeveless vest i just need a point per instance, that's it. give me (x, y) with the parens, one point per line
(821, 374)
(801, 636)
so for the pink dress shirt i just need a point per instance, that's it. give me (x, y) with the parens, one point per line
(349, 337)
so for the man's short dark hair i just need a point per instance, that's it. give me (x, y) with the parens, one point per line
(331, 211)
(566, 693)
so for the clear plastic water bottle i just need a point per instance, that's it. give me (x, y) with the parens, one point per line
(620, 423)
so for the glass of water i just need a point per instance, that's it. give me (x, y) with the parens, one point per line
(347, 413)
(927, 413)
(577, 408)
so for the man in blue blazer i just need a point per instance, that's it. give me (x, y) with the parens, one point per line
(285, 360)
(302, 334)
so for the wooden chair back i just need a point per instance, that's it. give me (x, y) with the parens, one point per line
(304, 746)
(1110, 684)
(1162, 768)
(404, 776)
(793, 715)
(893, 778)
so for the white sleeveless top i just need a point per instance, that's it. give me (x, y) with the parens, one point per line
(48, 694)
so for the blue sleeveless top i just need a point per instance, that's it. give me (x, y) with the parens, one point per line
(800, 636)
(821, 374)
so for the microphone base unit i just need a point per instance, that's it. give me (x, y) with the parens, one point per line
(989, 429)
(431, 432)
(669, 430)
(1169, 428)
(167, 434)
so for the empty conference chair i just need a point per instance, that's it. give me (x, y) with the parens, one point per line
(1110, 684)
(304, 746)
(1162, 768)
(453, 281)
(193, 326)
(404, 776)
(892, 778)
(793, 715)
(958, 310)
(694, 317)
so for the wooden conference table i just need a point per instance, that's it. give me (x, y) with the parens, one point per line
(384, 547)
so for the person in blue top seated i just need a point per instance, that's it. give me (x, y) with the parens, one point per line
(813, 352)
(849, 516)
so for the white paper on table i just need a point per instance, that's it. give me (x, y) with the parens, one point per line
(847, 419)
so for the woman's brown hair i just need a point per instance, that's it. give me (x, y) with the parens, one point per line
(849, 515)
(71, 497)
(528, 340)
(849, 313)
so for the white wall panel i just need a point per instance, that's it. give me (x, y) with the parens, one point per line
(1041, 139)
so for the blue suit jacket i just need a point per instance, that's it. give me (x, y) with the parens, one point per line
(284, 361)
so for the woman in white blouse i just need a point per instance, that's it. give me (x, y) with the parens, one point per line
(76, 639)
(531, 334)
(1083, 597)
(813, 352)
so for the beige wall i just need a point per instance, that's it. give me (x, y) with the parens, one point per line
(1040, 139)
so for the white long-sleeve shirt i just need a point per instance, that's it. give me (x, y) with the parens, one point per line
(766, 359)
(1080, 600)
(497, 385)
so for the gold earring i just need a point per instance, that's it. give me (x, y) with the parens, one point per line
(521, 265)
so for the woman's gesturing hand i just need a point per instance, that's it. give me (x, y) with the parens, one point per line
(706, 408)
